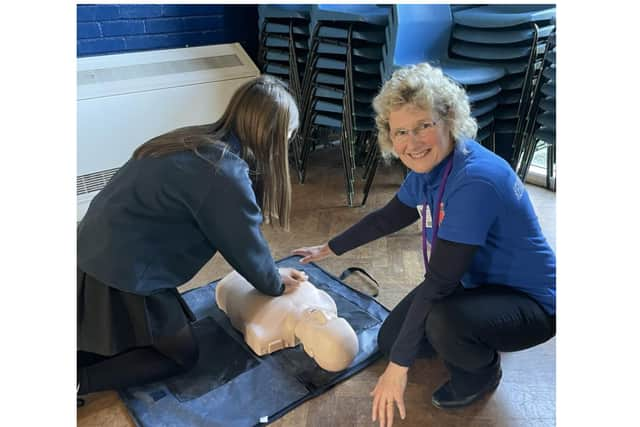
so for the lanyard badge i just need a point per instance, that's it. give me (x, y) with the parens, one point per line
(438, 216)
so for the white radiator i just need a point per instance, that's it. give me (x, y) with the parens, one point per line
(125, 99)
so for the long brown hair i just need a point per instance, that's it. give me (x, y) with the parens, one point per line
(261, 113)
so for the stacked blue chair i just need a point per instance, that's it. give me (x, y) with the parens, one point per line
(481, 84)
(541, 124)
(284, 48)
(514, 37)
(344, 71)
(284, 42)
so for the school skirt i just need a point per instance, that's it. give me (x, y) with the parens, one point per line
(111, 321)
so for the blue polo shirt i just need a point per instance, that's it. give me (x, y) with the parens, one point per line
(485, 204)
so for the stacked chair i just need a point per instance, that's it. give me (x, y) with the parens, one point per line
(514, 37)
(284, 42)
(540, 126)
(345, 70)
(481, 84)
(284, 49)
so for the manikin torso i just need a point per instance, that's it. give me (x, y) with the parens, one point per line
(307, 315)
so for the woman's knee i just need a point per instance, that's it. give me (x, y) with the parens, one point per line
(443, 328)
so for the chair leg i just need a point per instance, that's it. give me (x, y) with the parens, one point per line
(371, 153)
(370, 175)
(551, 161)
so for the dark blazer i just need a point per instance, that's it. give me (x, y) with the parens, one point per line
(159, 220)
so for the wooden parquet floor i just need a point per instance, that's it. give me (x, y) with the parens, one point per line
(526, 395)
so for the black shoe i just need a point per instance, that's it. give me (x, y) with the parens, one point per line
(447, 397)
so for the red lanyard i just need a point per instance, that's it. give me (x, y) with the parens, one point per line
(435, 218)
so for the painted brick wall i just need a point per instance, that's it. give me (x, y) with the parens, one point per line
(110, 28)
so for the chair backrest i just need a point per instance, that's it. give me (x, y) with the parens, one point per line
(422, 34)
(504, 15)
(283, 11)
(366, 13)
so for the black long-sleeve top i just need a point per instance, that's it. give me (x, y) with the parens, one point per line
(448, 263)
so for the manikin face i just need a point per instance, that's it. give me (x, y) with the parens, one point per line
(420, 139)
(328, 339)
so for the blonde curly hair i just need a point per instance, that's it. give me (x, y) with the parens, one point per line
(426, 87)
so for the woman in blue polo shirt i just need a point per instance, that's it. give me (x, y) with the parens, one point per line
(182, 197)
(490, 277)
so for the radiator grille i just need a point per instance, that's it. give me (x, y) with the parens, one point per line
(94, 181)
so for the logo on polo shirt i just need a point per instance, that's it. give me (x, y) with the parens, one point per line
(441, 214)
(518, 188)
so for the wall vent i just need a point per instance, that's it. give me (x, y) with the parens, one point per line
(94, 181)
(128, 72)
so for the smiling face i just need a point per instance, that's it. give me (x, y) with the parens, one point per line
(421, 140)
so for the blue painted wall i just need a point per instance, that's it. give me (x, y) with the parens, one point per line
(111, 28)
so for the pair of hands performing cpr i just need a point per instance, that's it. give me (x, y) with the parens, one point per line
(389, 391)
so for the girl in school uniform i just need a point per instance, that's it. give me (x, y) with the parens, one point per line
(181, 198)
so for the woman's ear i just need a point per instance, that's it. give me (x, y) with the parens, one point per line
(447, 113)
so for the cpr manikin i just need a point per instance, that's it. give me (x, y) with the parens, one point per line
(306, 315)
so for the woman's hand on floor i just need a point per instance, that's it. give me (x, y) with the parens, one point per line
(389, 392)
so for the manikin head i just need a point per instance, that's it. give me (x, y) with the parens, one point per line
(328, 339)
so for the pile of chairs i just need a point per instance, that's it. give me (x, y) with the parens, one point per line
(284, 49)
(344, 72)
(336, 58)
(540, 126)
(513, 37)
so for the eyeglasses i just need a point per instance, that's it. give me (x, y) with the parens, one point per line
(401, 136)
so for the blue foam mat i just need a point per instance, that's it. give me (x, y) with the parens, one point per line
(231, 386)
